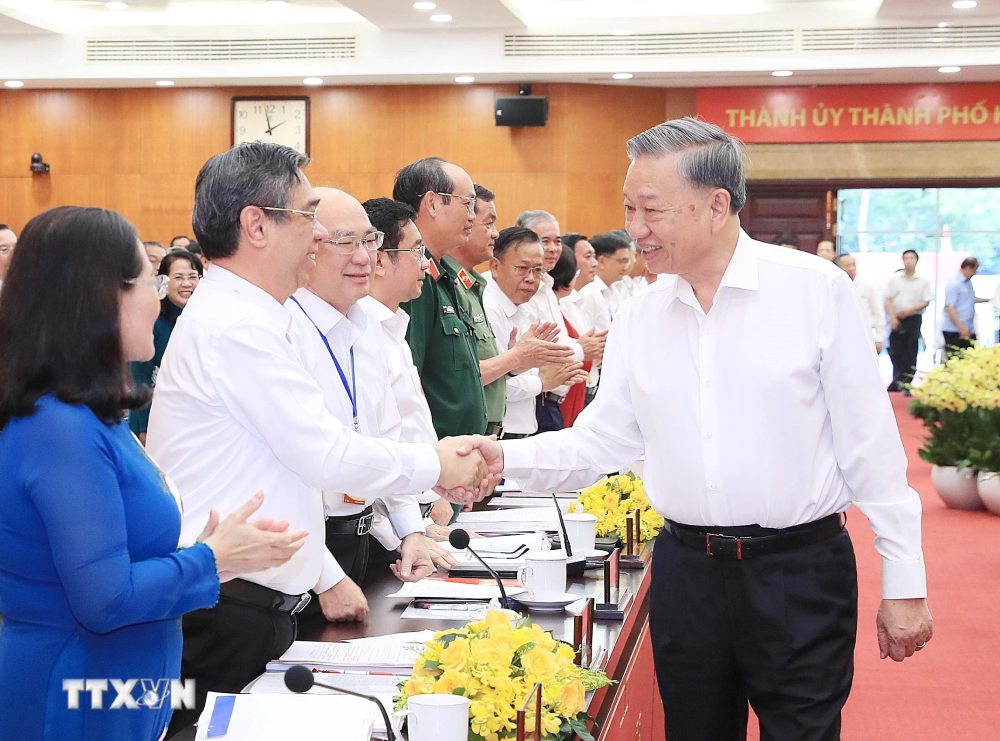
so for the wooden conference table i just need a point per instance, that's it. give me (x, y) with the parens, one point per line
(629, 709)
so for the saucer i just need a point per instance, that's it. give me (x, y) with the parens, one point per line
(550, 605)
(597, 555)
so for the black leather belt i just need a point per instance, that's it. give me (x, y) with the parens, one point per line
(239, 590)
(494, 428)
(358, 524)
(739, 543)
(550, 398)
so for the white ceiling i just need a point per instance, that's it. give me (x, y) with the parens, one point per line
(45, 42)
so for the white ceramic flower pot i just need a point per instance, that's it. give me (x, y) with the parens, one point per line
(957, 487)
(989, 490)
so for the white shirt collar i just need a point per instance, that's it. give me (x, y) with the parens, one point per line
(395, 323)
(503, 302)
(252, 293)
(742, 272)
(329, 320)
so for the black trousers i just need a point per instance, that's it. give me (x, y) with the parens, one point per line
(227, 646)
(904, 342)
(953, 342)
(777, 631)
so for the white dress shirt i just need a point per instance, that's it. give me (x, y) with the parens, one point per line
(544, 307)
(522, 388)
(767, 410)
(235, 411)
(378, 415)
(600, 303)
(907, 292)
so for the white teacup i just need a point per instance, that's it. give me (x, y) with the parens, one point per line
(544, 575)
(582, 529)
(437, 718)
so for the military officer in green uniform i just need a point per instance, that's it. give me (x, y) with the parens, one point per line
(460, 264)
(441, 332)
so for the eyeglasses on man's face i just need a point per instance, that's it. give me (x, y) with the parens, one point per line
(310, 214)
(468, 201)
(420, 252)
(371, 242)
(523, 270)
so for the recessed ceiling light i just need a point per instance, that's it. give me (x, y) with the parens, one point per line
(116, 6)
(441, 18)
(424, 6)
(621, 32)
(949, 70)
(944, 24)
(276, 4)
(13, 84)
(164, 83)
(312, 81)
(465, 79)
(964, 4)
(621, 76)
(782, 73)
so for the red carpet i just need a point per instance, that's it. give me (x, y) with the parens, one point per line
(950, 691)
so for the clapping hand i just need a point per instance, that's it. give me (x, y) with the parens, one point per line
(242, 547)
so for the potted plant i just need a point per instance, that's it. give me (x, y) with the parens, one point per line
(959, 403)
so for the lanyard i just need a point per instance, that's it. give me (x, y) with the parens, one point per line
(350, 390)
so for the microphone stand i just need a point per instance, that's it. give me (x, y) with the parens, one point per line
(371, 698)
(562, 525)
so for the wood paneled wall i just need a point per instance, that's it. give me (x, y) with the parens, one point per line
(138, 150)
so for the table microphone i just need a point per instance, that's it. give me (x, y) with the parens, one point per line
(459, 538)
(299, 679)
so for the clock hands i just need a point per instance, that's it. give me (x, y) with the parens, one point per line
(267, 118)
(272, 128)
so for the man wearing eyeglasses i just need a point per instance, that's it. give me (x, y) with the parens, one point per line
(516, 270)
(235, 411)
(8, 241)
(440, 333)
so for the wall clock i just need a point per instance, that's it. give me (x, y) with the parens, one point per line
(281, 120)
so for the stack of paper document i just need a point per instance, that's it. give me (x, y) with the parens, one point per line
(265, 717)
(368, 657)
(524, 519)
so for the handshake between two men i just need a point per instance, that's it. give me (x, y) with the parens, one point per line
(471, 466)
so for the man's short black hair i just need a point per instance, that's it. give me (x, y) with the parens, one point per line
(389, 216)
(484, 194)
(912, 252)
(609, 243)
(571, 239)
(511, 236)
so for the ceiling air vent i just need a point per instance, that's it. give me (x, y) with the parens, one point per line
(219, 50)
(896, 39)
(649, 44)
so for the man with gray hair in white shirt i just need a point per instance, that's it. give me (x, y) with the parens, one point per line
(236, 411)
(760, 425)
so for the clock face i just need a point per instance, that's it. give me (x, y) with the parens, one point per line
(278, 120)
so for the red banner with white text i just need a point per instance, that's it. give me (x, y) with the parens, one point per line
(856, 113)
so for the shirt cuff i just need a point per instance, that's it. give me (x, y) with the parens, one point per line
(425, 465)
(903, 579)
(517, 458)
(407, 520)
(331, 574)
